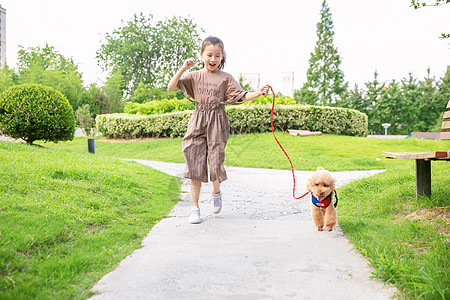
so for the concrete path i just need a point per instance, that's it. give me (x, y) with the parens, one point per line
(263, 245)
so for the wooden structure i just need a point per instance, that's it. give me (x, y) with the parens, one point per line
(303, 132)
(423, 159)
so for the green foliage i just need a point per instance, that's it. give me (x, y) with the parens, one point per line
(85, 119)
(105, 99)
(244, 119)
(409, 105)
(7, 78)
(443, 95)
(146, 93)
(325, 83)
(268, 99)
(48, 67)
(36, 112)
(114, 92)
(417, 4)
(68, 219)
(245, 85)
(171, 105)
(159, 106)
(249, 119)
(149, 53)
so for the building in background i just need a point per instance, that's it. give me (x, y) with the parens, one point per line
(2, 37)
(287, 84)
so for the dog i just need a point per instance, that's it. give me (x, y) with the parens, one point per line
(321, 185)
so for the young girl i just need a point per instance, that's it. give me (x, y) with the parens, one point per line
(209, 128)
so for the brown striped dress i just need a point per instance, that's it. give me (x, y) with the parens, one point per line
(209, 128)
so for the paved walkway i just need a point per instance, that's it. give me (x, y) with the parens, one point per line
(263, 245)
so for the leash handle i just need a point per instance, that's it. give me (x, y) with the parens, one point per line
(273, 132)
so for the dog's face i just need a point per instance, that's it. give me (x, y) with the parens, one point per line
(321, 184)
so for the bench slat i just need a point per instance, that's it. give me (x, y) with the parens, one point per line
(447, 115)
(445, 125)
(418, 155)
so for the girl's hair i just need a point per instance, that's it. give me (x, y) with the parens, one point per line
(212, 40)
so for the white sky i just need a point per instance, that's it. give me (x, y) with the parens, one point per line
(260, 36)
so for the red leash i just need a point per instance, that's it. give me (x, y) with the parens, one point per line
(292, 167)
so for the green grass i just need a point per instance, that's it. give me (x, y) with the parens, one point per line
(335, 153)
(406, 239)
(377, 213)
(67, 219)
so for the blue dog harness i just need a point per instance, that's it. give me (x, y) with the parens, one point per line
(325, 202)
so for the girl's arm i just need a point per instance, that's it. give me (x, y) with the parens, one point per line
(189, 63)
(253, 95)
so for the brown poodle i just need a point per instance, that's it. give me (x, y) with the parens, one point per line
(322, 188)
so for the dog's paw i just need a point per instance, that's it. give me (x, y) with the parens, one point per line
(329, 228)
(319, 229)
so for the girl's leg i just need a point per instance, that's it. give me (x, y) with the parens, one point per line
(216, 198)
(195, 191)
(216, 187)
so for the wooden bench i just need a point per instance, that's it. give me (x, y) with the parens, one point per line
(423, 159)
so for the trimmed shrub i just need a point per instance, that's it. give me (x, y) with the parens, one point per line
(36, 112)
(243, 119)
(159, 106)
(171, 105)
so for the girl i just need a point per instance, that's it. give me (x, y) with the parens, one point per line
(209, 128)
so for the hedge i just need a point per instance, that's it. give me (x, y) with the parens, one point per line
(243, 119)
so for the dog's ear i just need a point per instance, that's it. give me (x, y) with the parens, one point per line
(308, 185)
(320, 168)
(334, 180)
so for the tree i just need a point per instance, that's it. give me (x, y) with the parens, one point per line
(325, 81)
(85, 120)
(245, 85)
(428, 107)
(149, 53)
(48, 67)
(443, 95)
(416, 4)
(114, 92)
(146, 93)
(7, 78)
(409, 105)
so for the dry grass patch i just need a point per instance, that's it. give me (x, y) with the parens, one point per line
(433, 216)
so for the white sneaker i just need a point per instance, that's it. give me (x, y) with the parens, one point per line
(216, 203)
(194, 215)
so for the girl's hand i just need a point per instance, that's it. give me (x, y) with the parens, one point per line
(189, 63)
(264, 90)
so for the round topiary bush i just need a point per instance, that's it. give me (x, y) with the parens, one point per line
(36, 112)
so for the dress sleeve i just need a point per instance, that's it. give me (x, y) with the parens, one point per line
(234, 92)
(185, 84)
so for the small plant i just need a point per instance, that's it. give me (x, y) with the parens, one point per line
(85, 119)
(36, 112)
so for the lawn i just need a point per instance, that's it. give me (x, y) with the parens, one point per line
(67, 219)
(405, 239)
(335, 153)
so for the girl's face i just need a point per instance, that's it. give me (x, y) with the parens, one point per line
(212, 56)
